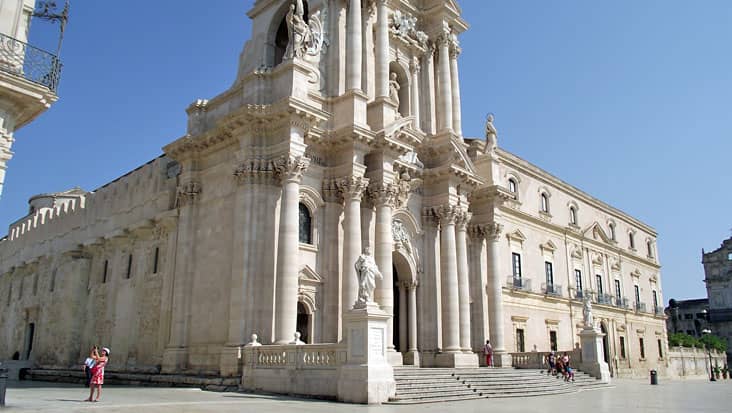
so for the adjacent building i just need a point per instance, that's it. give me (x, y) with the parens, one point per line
(342, 131)
(29, 76)
(718, 277)
(688, 316)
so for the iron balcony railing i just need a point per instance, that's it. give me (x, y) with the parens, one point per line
(659, 310)
(605, 299)
(621, 302)
(31, 63)
(517, 283)
(640, 307)
(552, 289)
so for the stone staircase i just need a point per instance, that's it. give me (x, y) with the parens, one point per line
(423, 385)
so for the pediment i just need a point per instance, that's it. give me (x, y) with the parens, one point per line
(462, 158)
(596, 232)
(308, 275)
(516, 236)
(548, 246)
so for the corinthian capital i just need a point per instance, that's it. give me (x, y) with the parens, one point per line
(383, 194)
(493, 231)
(462, 218)
(290, 168)
(352, 187)
(188, 193)
(447, 214)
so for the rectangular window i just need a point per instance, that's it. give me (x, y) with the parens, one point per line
(553, 340)
(520, 345)
(622, 347)
(53, 281)
(516, 259)
(637, 296)
(599, 284)
(549, 274)
(129, 266)
(104, 272)
(618, 294)
(655, 300)
(660, 349)
(155, 260)
(578, 280)
(642, 348)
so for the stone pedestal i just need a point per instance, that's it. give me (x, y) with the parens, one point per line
(411, 358)
(230, 363)
(366, 377)
(502, 359)
(456, 360)
(593, 362)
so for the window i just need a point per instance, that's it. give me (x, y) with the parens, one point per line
(642, 348)
(553, 340)
(512, 187)
(549, 274)
(622, 347)
(612, 231)
(516, 259)
(104, 272)
(660, 349)
(53, 281)
(655, 301)
(544, 203)
(306, 230)
(572, 216)
(631, 240)
(599, 284)
(618, 294)
(155, 260)
(729, 256)
(520, 344)
(649, 246)
(578, 281)
(637, 296)
(129, 266)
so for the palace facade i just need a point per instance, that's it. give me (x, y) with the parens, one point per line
(342, 130)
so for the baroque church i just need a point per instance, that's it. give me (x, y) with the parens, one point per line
(341, 132)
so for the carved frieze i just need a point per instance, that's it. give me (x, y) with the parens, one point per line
(403, 26)
(188, 193)
(254, 171)
(401, 237)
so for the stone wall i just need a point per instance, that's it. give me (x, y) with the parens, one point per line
(692, 362)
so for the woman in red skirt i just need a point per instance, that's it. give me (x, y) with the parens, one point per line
(98, 373)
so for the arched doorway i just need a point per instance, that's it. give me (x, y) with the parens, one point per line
(605, 346)
(304, 322)
(405, 308)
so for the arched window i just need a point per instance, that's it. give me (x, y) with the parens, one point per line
(306, 225)
(512, 187)
(572, 215)
(544, 203)
(612, 231)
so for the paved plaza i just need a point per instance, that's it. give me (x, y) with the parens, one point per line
(627, 396)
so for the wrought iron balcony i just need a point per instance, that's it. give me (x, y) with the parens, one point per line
(517, 283)
(552, 289)
(605, 299)
(658, 310)
(621, 302)
(579, 295)
(640, 307)
(30, 63)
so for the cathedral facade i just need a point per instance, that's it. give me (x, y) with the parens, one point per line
(341, 133)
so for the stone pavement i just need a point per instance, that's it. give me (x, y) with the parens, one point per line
(627, 396)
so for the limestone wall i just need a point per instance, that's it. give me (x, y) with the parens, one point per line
(692, 362)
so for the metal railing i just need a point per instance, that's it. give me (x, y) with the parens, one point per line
(516, 283)
(640, 307)
(658, 310)
(31, 63)
(552, 289)
(621, 302)
(579, 294)
(605, 299)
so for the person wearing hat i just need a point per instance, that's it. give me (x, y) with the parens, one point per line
(97, 373)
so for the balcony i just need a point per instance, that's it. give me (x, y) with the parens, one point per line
(658, 310)
(604, 299)
(621, 302)
(30, 63)
(552, 289)
(579, 295)
(516, 283)
(640, 307)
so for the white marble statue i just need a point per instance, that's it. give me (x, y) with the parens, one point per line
(587, 312)
(491, 134)
(296, 339)
(368, 272)
(255, 341)
(298, 31)
(394, 88)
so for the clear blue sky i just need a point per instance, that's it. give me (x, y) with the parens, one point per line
(627, 100)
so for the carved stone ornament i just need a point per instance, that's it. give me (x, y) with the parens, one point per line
(305, 38)
(290, 168)
(401, 236)
(368, 272)
(383, 194)
(188, 193)
(352, 187)
(405, 186)
(404, 27)
(254, 171)
(587, 313)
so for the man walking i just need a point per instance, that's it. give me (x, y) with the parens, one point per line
(488, 350)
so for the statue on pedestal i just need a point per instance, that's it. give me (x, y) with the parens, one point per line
(491, 134)
(587, 313)
(254, 342)
(394, 88)
(368, 272)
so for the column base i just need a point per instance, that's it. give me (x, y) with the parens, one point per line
(411, 358)
(503, 360)
(394, 358)
(175, 360)
(230, 361)
(456, 360)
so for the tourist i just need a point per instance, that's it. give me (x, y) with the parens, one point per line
(488, 350)
(551, 360)
(569, 372)
(97, 373)
(88, 365)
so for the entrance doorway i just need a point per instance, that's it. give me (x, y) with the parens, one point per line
(29, 333)
(397, 318)
(605, 349)
(303, 323)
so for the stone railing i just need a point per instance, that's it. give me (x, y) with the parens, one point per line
(303, 357)
(537, 359)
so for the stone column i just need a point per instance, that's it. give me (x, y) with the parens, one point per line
(455, 77)
(289, 170)
(449, 269)
(383, 196)
(414, 68)
(382, 49)
(445, 83)
(430, 95)
(461, 248)
(354, 56)
(351, 190)
(413, 317)
(501, 358)
(403, 333)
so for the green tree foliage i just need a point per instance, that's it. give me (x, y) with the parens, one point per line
(708, 341)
